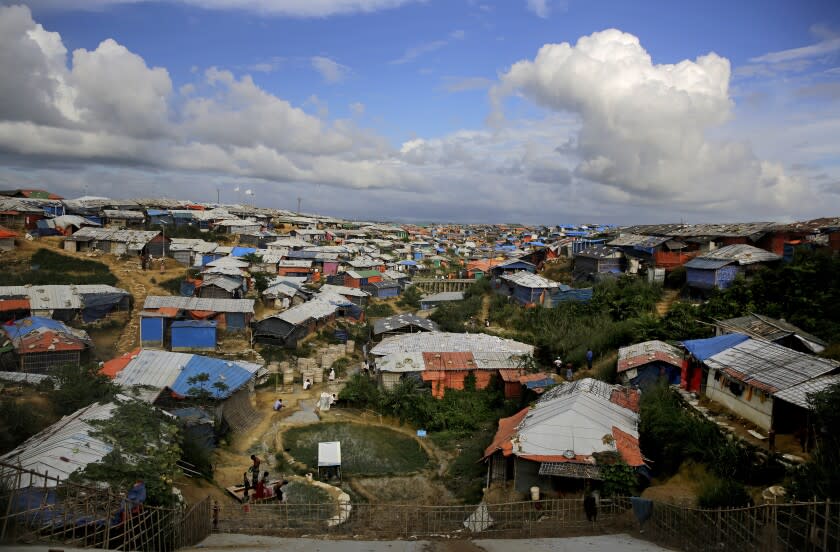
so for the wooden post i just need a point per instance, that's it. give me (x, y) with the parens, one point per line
(825, 527)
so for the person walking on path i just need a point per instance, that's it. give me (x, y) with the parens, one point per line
(589, 356)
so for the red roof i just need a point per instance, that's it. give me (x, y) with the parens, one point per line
(48, 341)
(648, 358)
(507, 429)
(7, 305)
(117, 365)
(510, 375)
(628, 447)
(449, 361)
(627, 398)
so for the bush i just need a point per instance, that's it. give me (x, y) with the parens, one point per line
(379, 310)
(49, 267)
(722, 493)
(18, 422)
(78, 387)
(411, 297)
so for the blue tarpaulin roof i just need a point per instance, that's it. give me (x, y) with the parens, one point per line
(545, 382)
(242, 251)
(708, 264)
(26, 325)
(156, 212)
(408, 263)
(705, 348)
(229, 373)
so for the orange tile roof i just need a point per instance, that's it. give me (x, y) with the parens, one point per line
(507, 429)
(116, 365)
(49, 341)
(6, 233)
(627, 398)
(13, 304)
(628, 447)
(510, 376)
(449, 361)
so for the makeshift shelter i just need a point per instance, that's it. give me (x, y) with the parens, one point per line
(437, 299)
(693, 375)
(644, 364)
(193, 335)
(43, 344)
(566, 436)
(778, 331)
(329, 459)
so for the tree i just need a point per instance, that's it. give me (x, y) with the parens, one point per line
(201, 392)
(261, 281)
(77, 387)
(145, 446)
(820, 477)
(411, 297)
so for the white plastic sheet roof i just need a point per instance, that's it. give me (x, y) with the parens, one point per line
(445, 342)
(329, 454)
(529, 280)
(199, 303)
(575, 421)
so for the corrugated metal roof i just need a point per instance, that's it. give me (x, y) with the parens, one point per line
(768, 366)
(599, 252)
(228, 262)
(450, 342)
(640, 354)
(444, 296)
(399, 321)
(59, 297)
(638, 240)
(529, 280)
(449, 361)
(768, 328)
(121, 214)
(314, 309)
(162, 369)
(62, 448)
(113, 234)
(798, 394)
(199, 303)
(344, 290)
(707, 264)
(741, 252)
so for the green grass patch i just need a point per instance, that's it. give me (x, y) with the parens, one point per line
(48, 267)
(365, 450)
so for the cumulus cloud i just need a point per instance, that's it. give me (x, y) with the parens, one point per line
(108, 106)
(291, 8)
(644, 126)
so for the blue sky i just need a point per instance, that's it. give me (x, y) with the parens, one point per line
(399, 109)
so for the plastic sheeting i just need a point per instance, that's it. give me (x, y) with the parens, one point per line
(705, 348)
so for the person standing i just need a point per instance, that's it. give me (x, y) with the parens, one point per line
(216, 515)
(590, 506)
(589, 356)
(246, 483)
(255, 469)
(331, 377)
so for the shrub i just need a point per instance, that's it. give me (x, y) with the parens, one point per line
(379, 310)
(722, 493)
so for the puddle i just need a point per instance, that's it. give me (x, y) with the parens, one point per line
(305, 415)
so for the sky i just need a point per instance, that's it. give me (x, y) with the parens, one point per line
(531, 111)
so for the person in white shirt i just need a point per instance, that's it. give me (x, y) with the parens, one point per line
(307, 384)
(331, 377)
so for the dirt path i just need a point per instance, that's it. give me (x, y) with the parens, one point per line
(669, 297)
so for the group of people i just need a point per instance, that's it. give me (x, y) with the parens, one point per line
(569, 371)
(260, 485)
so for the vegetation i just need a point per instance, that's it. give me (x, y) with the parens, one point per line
(379, 310)
(820, 477)
(48, 267)
(145, 446)
(18, 422)
(365, 450)
(465, 477)
(671, 434)
(172, 285)
(619, 479)
(78, 387)
(452, 316)
(261, 281)
(410, 298)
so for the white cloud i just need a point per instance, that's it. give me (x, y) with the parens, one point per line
(539, 7)
(291, 8)
(330, 70)
(427, 47)
(462, 84)
(108, 106)
(644, 125)
(357, 108)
